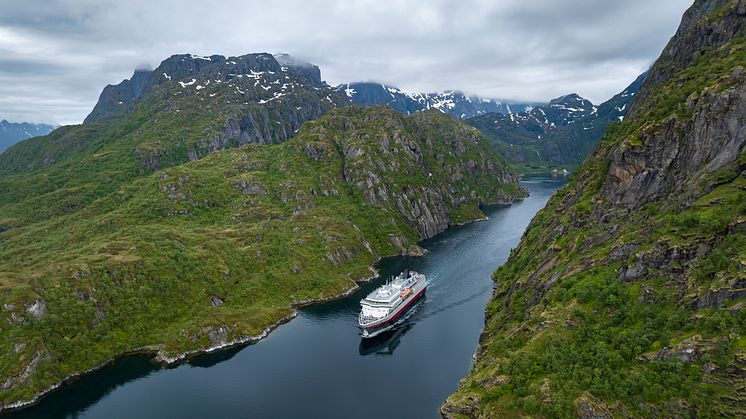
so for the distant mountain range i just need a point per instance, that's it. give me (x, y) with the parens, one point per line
(454, 103)
(13, 132)
(559, 134)
(531, 137)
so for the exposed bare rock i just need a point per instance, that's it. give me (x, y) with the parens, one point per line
(590, 407)
(718, 297)
(688, 350)
(27, 371)
(464, 408)
(680, 152)
(37, 309)
(215, 301)
(340, 255)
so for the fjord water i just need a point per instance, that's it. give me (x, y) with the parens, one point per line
(317, 365)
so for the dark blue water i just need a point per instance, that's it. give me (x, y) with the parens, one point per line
(317, 365)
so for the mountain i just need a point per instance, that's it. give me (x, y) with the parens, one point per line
(217, 196)
(185, 109)
(532, 137)
(275, 75)
(557, 135)
(13, 132)
(626, 295)
(453, 103)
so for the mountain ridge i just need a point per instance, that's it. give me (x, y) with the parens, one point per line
(557, 135)
(115, 98)
(13, 132)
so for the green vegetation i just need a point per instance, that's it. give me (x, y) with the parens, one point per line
(610, 309)
(106, 252)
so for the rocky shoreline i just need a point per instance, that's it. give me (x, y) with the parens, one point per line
(158, 357)
(165, 360)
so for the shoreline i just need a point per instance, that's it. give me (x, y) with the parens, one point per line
(166, 361)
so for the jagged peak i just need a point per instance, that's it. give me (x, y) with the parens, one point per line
(569, 98)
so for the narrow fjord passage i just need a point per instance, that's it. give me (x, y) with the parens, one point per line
(317, 365)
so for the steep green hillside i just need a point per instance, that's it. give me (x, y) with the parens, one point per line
(214, 251)
(625, 297)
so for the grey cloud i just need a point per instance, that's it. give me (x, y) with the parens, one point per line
(12, 65)
(59, 54)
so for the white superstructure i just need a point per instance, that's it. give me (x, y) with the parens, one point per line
(382, 307)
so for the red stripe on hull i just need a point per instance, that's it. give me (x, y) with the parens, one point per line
(398, 313)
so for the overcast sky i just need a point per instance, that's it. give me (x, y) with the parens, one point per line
(57, 55)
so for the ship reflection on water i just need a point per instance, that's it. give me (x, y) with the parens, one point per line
(386, 342)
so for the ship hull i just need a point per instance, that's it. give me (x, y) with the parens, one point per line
(374, 329)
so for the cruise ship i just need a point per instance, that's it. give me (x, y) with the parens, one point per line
(388, 303)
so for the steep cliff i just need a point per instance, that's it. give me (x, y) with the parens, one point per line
(625, 296)
(215, 251)
(197, 70)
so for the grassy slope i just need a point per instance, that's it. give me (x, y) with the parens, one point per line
(73, 166)
(142, 263)
(587, 340)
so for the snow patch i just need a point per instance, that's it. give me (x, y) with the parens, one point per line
(189, 83)
(349, 91)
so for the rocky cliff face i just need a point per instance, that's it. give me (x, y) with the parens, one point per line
(122, 97)
(409, 146)
(625, 297)
(303, 68)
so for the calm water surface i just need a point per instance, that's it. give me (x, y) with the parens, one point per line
(317, 365)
